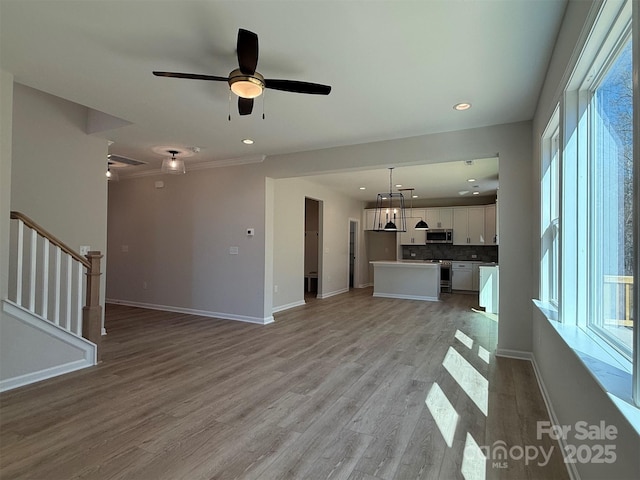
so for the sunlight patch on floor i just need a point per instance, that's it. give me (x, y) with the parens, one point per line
(473, 460)
(443, 413)
(469, 379)
(464, 339)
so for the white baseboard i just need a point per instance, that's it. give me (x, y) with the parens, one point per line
(365, 285)
(22, 380)
(571, 467)
(517, 354)
(334, 293)
(192, 311)
(406, 297)
(520, 355)
(281, 308)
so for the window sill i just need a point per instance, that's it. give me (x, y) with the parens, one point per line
(610, 370)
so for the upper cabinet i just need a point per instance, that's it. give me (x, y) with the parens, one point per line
(490, 225)
(439, 217)
(468, 226)
(413, 236)
(472, 225)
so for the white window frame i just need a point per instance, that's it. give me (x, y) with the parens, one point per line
(573, 302)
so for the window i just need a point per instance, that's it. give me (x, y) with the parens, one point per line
(550, 218)
(587, 180)
(610, 202)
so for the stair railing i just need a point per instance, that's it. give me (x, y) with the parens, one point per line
(48, 280)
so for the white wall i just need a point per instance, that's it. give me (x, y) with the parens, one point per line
(570, 388)
(289, 225)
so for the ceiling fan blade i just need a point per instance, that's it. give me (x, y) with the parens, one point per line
(245, 106)
(193, 76)
(297, 87)
(247, 51)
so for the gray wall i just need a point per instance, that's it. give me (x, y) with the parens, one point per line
(169, 247)
(56, 178)
(512, 143)
(573, 393)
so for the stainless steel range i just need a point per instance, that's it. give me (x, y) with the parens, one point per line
(445, 274)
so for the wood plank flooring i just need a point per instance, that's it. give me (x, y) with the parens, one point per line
(351, 387)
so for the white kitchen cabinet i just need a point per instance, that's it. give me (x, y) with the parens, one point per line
(439, 217)
(462, 276)
(468, 226)
(491, 234)
(413, 236)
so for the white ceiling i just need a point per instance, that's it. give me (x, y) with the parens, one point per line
(396, 68)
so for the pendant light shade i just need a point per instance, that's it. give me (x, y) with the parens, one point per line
(173, 165)
(389, 215)
(421, 225)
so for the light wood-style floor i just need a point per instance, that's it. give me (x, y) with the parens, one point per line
(350, 387)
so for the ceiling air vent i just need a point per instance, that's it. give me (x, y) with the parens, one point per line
(124, 161)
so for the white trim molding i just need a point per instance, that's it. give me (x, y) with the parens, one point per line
(192, 311)
(334, 293)
(281, 308)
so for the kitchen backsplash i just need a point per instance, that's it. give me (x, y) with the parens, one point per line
(443, 251)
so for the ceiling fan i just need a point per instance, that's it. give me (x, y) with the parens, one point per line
(246, 82)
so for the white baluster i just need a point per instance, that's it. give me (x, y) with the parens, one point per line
(67, 324)
(56, 296)
(33, 253)
(20, 262)
(45, 277)
(79, 299)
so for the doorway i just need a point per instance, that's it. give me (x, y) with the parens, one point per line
(353, 242)
(312, 245)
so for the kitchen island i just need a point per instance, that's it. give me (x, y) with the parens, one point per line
(413, 280)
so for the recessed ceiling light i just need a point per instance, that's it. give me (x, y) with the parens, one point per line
(476, 193)
(463, 192)
(471, 180)
(398, 185)
(247, 141)
(363, 188)
(414, 196)
(462, 106)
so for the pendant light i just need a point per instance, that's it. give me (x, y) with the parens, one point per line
(173, 165)
(421, 225)
(112, 175)
(389, 215)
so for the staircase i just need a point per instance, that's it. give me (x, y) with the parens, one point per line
(53, 298)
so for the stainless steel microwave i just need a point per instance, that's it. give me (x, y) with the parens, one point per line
(439, 235)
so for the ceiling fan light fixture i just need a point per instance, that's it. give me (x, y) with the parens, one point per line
(246, 86)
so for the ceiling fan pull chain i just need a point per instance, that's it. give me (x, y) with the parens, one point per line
(229, 105)
(263, 95)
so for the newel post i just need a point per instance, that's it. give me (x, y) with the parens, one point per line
(92, 312)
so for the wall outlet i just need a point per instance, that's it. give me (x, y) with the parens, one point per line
(275, 288)
(124, 248)
(233, 250)
(144, 285)
(413, 254)
(474, 255)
